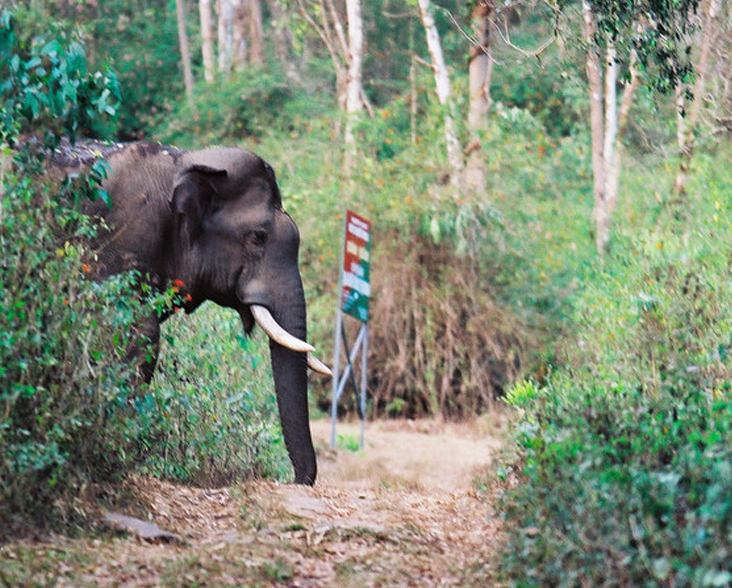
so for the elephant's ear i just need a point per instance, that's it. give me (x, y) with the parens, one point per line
(192, 196)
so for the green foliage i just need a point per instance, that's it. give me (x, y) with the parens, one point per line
(626, 446)
(210, 416)
(67, 400)
(72, 411)
(47, 85)
(248, 106)
(140, 40)
(62, 335)
(659, 31)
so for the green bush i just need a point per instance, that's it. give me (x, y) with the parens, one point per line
(67, 395)
(210, 416)
(624, 478)
(248, 106)
(63, 336)
(72, 412)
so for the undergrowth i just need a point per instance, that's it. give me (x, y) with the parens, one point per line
(624, 478)
(73, 413)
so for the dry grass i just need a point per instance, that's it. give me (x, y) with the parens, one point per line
(441, 345)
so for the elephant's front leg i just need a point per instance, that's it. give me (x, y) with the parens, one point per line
(144, 348)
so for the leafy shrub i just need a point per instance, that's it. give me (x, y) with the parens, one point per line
(62, 336)
(624, 479)
(49, 86)
(67, 388)
(248, 106)
(72, 413)
(210, 416)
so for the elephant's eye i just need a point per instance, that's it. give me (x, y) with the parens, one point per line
(258, 237)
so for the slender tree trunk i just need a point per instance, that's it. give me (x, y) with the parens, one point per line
(354, 86)
(608, 122)
(594, 75)
(444, 91)
(207, 40)
(613, 165)
(413, 99)
(327, 24)
(283, 40)
(256, 33)
(480, 68)
(238, 36)
(185, 53)
(226, 36)
(688, 121)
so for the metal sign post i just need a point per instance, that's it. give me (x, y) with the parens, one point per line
(355, 291)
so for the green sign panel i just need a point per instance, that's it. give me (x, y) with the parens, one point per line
(355, 285)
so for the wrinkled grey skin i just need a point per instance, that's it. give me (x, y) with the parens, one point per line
(212, 219)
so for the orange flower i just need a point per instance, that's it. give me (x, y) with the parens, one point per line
(86, 268)
(179, 283)
(189, 297)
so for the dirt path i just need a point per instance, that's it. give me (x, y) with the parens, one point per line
(408, 511)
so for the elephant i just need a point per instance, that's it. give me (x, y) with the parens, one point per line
(212, 222)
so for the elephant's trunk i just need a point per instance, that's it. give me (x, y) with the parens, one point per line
(290, 377)
(289, 368)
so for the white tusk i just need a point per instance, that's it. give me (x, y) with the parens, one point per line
(318, 366)
(275, 332)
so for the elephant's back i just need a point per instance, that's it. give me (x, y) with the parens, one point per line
(141, 174)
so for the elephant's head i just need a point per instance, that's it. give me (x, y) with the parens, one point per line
(236, 246)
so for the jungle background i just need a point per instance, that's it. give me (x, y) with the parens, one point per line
(551, 245)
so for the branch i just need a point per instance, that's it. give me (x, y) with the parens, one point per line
(536, 52)
(322, 31)
(421, 61)
(338, 26)
(471, 38)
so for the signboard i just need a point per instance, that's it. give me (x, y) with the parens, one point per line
(356, 288)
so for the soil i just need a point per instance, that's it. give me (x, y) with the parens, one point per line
(412, 509)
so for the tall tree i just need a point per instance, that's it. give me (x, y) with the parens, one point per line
(185, 52)
(608, 119)
(239, 43)
(654, 36)
(207, 40)
(283, 39)
(326, 21)
(480, 68)
(354, 84)
(225, 10)
(345, 46)
(688, 118)
(256, 32)
(444, 90)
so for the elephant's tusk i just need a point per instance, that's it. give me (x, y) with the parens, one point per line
(318, 366)
(275, 332)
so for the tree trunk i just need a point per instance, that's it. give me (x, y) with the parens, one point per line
(326, 23)
(283, 40)
(613, 163)
(480, 68)
(238, 36)
(185, 53)
(354, 86)
(207, 41)
(688, 121)
(444, 92)
(226, 36)
(594, 75)
(256, 33)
